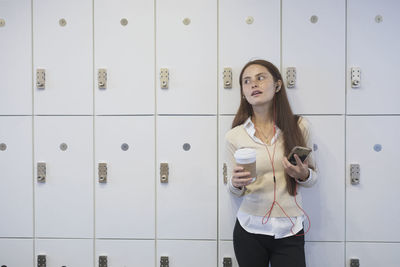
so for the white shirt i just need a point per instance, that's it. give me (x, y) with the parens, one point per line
(276, 226)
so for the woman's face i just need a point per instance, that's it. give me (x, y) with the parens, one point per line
(258, 85)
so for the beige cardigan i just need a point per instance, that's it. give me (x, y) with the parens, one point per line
(258, 196)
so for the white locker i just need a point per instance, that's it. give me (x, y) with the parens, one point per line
(65, 252)
(248, 30)
(124, 47)
(16, 252)
(325, 201)
(187, 203)
(15, 57)
(16, 192)
(64, 201)
(228, 203)
(226, 254)
(125, 202)
(126, 253)
(186, 34)
(372, 46)
(327, 254)
(372, 213)
(313, 42)
(373, 254)
(63, 47)
(183, 253)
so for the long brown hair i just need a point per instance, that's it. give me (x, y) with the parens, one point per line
(285, 119)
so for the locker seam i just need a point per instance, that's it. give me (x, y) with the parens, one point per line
(345, 131)
(94, 136)
(155, 131)
(33, 142)
(217, 148)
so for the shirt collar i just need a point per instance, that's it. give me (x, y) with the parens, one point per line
(251, 130)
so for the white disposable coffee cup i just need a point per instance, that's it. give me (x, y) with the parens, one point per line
(246, 158)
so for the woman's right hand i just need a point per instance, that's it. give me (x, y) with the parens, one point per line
(240, 177)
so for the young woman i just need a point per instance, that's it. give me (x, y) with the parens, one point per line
(269, 225)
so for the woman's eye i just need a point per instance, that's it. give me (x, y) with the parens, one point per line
(246, 81)
(260, 78)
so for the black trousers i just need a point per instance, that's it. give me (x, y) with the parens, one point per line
(256, 250)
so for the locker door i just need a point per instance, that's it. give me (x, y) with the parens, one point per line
(62, 37)
(65, 252)
(16, 177)
(127, 253)
(125, 203)
(372, 46)
(327, 254)
(186, 35)
(228, 204)
(226, 254)
(324, 202)
(15, 57)
(183, 253)
(248, 30)
(64, 202)
(371, 212)
(16, 252)
(373, 254)
(313, 42)
(124, 46)
(187, 203)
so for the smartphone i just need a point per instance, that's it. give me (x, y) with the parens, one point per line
(302, 152)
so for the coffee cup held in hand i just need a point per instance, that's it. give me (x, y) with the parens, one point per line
(246, 158)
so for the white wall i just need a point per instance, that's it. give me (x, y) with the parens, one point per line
(134, 125)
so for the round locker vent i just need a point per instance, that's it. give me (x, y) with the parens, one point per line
(124, 22)
(249, 20)
(378, 19)
(315, 147)
(3, 146)
(62, 22)
(124, 146)
(314, 19)
(186, 21)
(186, 146)
(63, 146)
(377, 147)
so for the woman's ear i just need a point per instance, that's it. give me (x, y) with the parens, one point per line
(278, 86)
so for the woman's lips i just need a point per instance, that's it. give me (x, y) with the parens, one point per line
(254, 93)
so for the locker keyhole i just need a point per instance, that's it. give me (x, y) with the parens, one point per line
(186, 146)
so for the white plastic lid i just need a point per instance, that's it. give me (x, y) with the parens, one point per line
(245, 155)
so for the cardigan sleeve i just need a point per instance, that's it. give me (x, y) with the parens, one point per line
(229, 152)
(307, 133)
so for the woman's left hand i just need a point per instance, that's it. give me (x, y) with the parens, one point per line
(299, 171)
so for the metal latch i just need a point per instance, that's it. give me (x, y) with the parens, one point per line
(164, 172)
(291, 77)
(227, 78)
(41, 172)
(40, 78)
(103, 261)
(354, 263)
(225, 173)
(355, 173)
(41, 261)
(102, 172)
(164, 78)
(102, 78)
(355, 77)
(164, 261)
(2, 22)
(227, 262)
